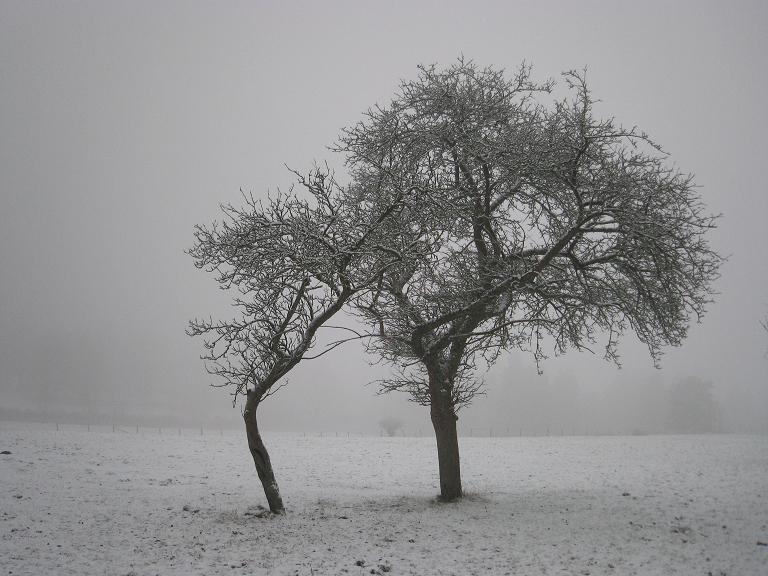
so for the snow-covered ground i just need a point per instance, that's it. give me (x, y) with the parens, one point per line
(78, 502)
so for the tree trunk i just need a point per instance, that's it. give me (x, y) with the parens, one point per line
(444, 422)
(261, 456)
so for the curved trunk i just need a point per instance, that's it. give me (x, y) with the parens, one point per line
(444, 419)
(261, 456)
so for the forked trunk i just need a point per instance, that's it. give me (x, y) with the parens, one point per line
(261, 456)
(444, 422)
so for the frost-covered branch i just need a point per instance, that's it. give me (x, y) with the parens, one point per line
(294, 262)
(530, 220)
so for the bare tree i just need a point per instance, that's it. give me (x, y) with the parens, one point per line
(478, 220)
(529, 222)
(391, 425)
(294, 263)
(691, 407)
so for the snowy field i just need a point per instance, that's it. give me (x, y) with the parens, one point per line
(78, 502)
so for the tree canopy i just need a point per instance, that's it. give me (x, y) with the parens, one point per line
(530, 221)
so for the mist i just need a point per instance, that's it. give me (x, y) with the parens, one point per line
(125, 124)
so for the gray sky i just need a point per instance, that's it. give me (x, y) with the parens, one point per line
(124, 124)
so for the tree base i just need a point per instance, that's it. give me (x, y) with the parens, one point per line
(261, 457)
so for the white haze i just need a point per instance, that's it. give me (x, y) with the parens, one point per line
(124, 124)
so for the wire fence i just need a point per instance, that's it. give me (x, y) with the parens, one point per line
(121, 428)
(213, 430)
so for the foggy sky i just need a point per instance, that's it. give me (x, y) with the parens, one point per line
(124, 124)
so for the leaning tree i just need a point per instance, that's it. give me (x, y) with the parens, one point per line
(478, 219)
(294, 262)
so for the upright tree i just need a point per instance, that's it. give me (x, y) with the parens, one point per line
(530, 222)
(479, 219)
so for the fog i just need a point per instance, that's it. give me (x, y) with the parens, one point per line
(122, 125)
